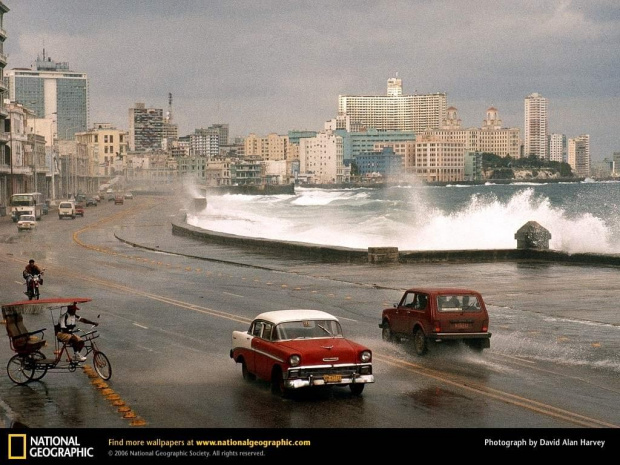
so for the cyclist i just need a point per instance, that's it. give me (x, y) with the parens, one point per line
(67, 323)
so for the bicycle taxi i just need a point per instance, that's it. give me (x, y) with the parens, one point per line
(29, 363)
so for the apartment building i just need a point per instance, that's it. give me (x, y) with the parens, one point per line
(394, 111)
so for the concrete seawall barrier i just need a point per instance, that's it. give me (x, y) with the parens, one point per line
(285, 248)
(379, 255)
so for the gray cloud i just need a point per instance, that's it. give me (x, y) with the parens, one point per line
(270, 66)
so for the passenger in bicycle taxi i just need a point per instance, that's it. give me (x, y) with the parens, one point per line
(32, 269)
(67, 323)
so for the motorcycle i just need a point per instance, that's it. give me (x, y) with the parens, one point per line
(32, 285)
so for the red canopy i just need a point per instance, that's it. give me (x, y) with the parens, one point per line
(48, 302)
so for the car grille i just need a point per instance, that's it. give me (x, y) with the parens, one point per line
(316, 372)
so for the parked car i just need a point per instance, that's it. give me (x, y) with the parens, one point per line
(79, 209)
(301, 348)
(91, 201)
(66, 209)
(97, 198)
(430, 315)
(26, 223)
(118, 200)
(128, 195)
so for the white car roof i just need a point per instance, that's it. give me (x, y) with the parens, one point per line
(281, 316)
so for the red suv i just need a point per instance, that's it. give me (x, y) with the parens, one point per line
(437, 315)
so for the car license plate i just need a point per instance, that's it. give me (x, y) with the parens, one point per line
(332, 378)
(462, 325)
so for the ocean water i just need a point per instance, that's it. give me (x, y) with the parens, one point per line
(581, 217)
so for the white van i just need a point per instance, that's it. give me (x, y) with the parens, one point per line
(66, 208)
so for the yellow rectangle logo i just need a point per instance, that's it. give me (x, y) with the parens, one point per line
(17, 448)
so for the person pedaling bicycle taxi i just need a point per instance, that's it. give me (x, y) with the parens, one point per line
(67, 323)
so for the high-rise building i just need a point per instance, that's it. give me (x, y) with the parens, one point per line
(222, 131)
(536, 126)
(579, 155)
(205, 143)
(145, 128)
(52, 88)
(394, 111)
(557, 147)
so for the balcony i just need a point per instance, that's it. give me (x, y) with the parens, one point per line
(5, 136)
(3, 59)
(2, 33)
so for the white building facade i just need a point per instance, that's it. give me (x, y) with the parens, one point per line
(321, 158)
(394, 111)
(557, 147)
(579, 155)
(536, 126)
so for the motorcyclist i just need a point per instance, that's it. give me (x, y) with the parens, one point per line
(31, 270)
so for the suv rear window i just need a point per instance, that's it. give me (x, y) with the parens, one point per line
(458, 303)
(65, 205)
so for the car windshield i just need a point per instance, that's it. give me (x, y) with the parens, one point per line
(27, 218)
(458, 303)
(308, 329)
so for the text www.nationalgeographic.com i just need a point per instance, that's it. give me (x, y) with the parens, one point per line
(251, 443)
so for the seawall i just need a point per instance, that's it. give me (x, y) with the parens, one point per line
(333, 254)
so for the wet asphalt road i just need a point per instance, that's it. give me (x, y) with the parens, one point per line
(166, 322)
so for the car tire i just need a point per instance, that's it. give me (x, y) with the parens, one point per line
(357, 388)
(277, 383)
(245, 373)
(419, 342)
(386, 332)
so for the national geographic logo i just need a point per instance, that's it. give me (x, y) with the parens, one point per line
(17, 447)
(22, 446)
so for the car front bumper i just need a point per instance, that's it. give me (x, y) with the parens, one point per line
(339, 376)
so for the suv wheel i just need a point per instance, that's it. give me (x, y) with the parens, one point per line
(386, 332)
(419, 342)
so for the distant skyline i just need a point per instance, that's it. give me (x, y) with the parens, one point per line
(273, 66)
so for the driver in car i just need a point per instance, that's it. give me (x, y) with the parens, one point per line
(67, 323)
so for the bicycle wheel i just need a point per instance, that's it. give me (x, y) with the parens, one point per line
(102, 365)
(19, 369)
(39, 370)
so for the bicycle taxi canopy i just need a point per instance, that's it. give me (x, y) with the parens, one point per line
(23, 341)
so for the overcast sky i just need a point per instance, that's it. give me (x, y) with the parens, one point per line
(270, 66)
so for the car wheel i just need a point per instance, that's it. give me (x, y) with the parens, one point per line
(356, 389)
(475, 345)
(419, 342)
(245, 373)
(386, 332)
(277, 383)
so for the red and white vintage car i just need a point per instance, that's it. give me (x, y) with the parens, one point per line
(300, 348)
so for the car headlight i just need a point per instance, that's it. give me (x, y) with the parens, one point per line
(294, 360)
(365, 356)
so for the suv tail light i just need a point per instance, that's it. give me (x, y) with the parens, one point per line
(437, 326)
(485, 326)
